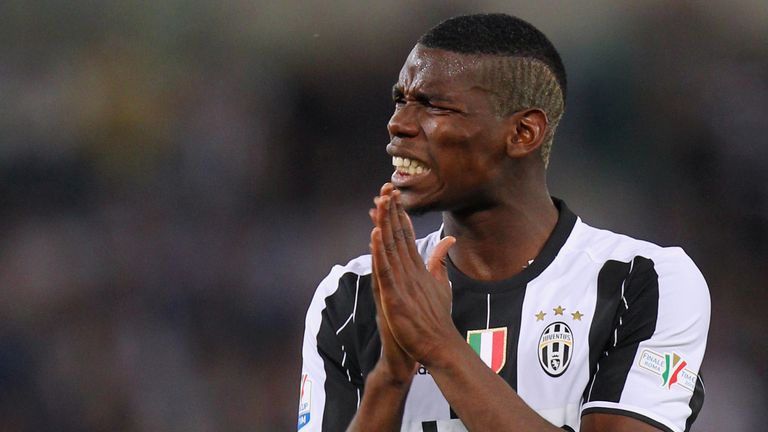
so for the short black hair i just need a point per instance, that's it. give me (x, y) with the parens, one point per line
(498, 34)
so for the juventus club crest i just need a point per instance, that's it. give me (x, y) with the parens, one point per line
(556, 348)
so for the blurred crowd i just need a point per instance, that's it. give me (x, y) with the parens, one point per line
(177, 176)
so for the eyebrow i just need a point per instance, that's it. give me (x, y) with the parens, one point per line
(397, 91)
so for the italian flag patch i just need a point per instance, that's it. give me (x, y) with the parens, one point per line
(490, 345)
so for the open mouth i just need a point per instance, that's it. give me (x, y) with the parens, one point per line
(408, 166)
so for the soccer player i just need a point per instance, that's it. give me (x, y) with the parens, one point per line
(515, 315)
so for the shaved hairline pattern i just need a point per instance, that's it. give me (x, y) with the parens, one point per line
(520, 83)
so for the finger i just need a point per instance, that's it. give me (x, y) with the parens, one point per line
(386, 189)
(374, 278)
(381, 318)
(384, 222)
(436, 262)
(383, 271)
(375, 282)
(398, 233)
(408, 232)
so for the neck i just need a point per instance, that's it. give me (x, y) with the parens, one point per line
(498, 242)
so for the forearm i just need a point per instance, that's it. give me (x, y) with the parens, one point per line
(482, 399)
(383, 403)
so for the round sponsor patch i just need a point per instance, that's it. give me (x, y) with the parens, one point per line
(556, 348)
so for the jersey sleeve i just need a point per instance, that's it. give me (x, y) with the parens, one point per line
(650, 369)
(329, 394)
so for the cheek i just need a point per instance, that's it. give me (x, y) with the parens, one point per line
(447, 132)
(457, 145)
(451, 147)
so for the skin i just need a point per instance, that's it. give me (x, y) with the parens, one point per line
(486, 177)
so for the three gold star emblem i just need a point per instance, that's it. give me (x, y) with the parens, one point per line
(559, 310)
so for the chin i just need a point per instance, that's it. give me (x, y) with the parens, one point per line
(417, 204)
(418, 211)
(420, 204)
(419, 208)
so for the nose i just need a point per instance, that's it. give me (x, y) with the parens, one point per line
(403, 122)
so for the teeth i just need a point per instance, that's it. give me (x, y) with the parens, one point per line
(408, 166)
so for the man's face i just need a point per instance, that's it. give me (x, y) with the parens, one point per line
(447, 143)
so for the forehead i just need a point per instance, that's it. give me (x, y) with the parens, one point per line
(440, 68)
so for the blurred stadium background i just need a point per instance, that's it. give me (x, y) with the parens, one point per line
(177, 176)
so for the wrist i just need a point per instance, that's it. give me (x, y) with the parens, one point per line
(385, 375)
(443, 354)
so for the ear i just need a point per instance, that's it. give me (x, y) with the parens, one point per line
(526, 132)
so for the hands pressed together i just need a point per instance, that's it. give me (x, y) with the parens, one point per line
(413, 302)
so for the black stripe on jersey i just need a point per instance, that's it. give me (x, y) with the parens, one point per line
(634, 415)
(429, 426)
(609, 281)
(697, 400)
(342, 373)
(635, 321)
(465, 310)
(506, 310)
(364, 334)
(507, 307)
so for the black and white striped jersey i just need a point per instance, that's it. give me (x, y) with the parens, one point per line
(598, 322)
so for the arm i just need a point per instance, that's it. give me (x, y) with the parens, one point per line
(329, 396)
(650, 367)
(598, 422)
(416, 302)
(387, 385)
(481, 398)
(329, 391)
(383, 403)
(464, 378)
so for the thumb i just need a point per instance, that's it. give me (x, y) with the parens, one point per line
(436, 262)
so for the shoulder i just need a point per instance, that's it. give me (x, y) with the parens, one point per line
(359, 266)
(362, 266)
(602, 245)
(658, 335)
(343, 282)
(338, 290)
(669, 270)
